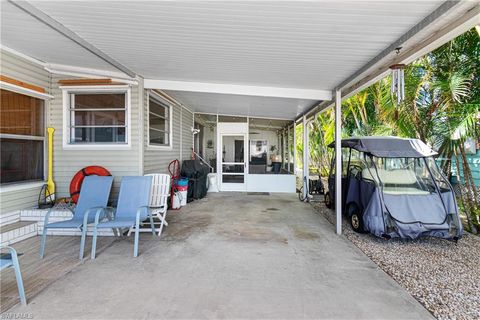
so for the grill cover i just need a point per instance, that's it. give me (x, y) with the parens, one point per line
(196, 172)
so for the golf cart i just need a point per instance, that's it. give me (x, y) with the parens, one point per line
(392, 187)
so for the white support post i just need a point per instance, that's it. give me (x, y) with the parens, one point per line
(338, 160)
(294, 149)
(306, 159)
(288, 149)
(283, 148)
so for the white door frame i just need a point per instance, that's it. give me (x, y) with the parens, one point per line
(232, 129)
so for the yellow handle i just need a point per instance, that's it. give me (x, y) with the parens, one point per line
(50, 192)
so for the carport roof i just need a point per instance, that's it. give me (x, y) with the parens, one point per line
(274, 50)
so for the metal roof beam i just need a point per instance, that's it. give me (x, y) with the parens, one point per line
(248, 90)
(428, 20)
(60, 28)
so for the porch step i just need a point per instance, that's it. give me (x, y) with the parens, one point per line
(17, 231)
(38, 216)
(9, 217)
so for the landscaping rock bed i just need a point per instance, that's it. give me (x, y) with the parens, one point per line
(443, 276)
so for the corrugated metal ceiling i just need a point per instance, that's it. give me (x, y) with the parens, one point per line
(286, 44)
(29, 36)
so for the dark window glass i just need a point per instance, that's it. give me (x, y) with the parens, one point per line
(22, 160)
(159, 122)
(100, 135)
(228, 178)
(100, 101)
(159, 138)
(98, 118)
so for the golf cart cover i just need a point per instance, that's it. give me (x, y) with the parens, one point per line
(388, 147)
(411, 215)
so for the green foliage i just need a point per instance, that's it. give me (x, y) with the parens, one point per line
(441, 107)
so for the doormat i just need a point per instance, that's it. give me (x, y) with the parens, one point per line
(258, 193)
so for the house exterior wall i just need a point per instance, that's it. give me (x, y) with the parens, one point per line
(66, 162)
(156, 159)
(25, 196)
(187, 135)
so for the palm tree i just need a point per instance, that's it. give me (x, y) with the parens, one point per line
(441, 107)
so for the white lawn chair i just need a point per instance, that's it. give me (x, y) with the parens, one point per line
(159, 199)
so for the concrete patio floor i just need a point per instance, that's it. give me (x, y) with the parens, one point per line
(231, 255)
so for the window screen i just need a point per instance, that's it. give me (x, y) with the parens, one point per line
(98, 118)
(158, 122)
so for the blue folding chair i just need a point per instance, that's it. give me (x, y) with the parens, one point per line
(93, 198)
(132, 208)
(11, 260)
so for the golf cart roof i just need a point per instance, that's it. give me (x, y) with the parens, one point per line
(388, 147)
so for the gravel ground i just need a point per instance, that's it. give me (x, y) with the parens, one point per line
(443, 276)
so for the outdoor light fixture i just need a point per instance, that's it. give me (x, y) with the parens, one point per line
(398, 79)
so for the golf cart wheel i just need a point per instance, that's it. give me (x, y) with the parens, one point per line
(355, 216)
(328, 201)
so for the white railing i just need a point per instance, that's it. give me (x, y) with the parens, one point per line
(204, 161)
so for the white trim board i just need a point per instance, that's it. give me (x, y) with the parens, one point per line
(271, 183)
(25, 91)
(293, 93)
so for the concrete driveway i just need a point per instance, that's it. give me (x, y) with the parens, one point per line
(231, 255)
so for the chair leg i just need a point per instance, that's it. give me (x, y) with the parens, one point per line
(94, 242)
(137, 233)
(44, 240)
(162, 218)
(18, 276)
(82, 242)
(151, 224)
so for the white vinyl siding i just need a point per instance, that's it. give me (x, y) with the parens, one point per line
(123, 162)
(156, 160)
(187, 135)
(22, 70)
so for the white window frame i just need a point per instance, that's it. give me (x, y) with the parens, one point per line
(66, 91)
(170, 120)
(21, 185)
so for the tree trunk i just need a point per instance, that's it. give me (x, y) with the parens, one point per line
(471, 188)
(447, 165)
(467, 172)
(466, 208)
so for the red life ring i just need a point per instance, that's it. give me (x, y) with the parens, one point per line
(76, 183)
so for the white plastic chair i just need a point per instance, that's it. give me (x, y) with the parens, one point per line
(159, 198)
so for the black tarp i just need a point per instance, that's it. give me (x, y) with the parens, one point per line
(197, 173)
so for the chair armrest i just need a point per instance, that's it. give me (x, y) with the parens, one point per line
(97, 210)
(11, 249)
(97, 215)
(13, 254)
(47, 217)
